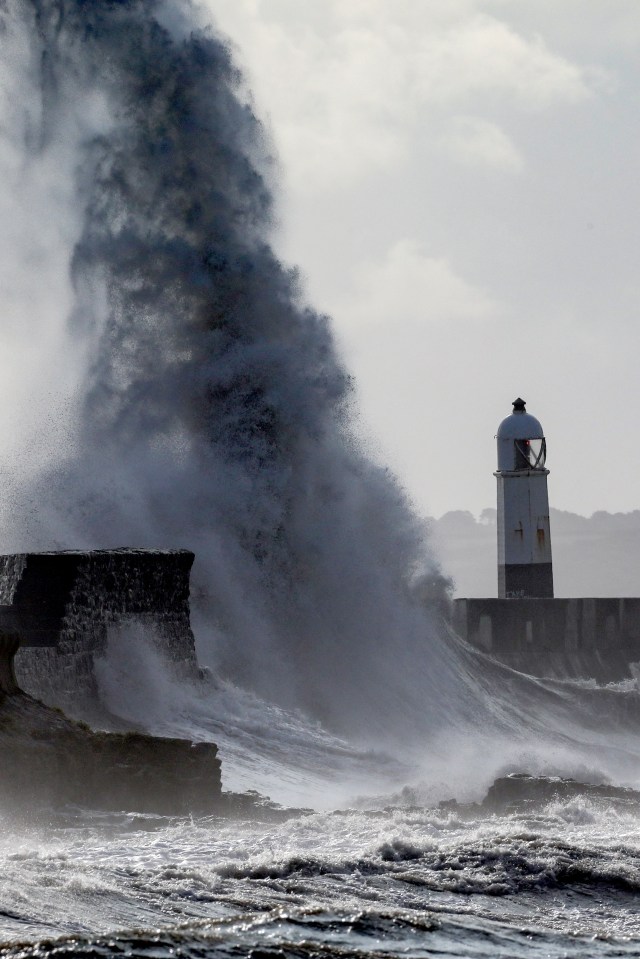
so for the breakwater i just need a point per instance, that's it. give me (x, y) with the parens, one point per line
(55, 619)
(63, 606)
(590, 638)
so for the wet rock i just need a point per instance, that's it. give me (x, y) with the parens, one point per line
(48, 760)
(521, 791)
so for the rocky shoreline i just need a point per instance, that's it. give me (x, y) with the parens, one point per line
(50, 760)
(522, 792)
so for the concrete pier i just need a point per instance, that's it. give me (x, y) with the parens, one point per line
(586, 638)
(63, 605)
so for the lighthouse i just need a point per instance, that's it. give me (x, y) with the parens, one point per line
(524, 537)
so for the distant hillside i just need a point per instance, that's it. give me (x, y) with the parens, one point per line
(592, 556)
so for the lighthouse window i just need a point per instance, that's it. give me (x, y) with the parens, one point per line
(530, 454)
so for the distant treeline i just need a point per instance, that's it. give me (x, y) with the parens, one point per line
(598, 555)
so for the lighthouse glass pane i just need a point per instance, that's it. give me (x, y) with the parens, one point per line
(530, 454)
(537, 453)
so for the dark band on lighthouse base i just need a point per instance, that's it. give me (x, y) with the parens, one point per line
(517, 581)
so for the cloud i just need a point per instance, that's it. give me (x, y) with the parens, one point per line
(345, 90)
(474, 141)
(410, 288)
(484, 55)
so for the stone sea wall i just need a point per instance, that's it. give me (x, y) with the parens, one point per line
(64, 604)
(586, 638)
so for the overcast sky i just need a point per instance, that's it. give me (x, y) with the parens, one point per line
(460, 186)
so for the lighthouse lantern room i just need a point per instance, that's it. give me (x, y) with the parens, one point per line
(524, 536)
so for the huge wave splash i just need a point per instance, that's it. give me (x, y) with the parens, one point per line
(205, 404)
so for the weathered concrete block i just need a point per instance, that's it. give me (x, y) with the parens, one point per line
(62, 605)
(586, 638)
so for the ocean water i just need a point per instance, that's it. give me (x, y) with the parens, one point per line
(167, 384)
(386, 880)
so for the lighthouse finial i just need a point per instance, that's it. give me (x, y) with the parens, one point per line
(519, 406)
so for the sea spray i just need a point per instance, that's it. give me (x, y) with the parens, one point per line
(210, 408)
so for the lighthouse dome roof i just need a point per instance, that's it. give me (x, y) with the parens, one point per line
(520, 425)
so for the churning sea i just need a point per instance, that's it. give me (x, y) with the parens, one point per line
(346, 874)
(386, 881)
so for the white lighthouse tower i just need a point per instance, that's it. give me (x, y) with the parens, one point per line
(524, 536)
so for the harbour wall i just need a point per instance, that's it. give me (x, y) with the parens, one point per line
(62, 606)
(56, 613)
(588, 638)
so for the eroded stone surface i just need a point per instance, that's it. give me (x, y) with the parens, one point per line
(49, 760)
(63, 604)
